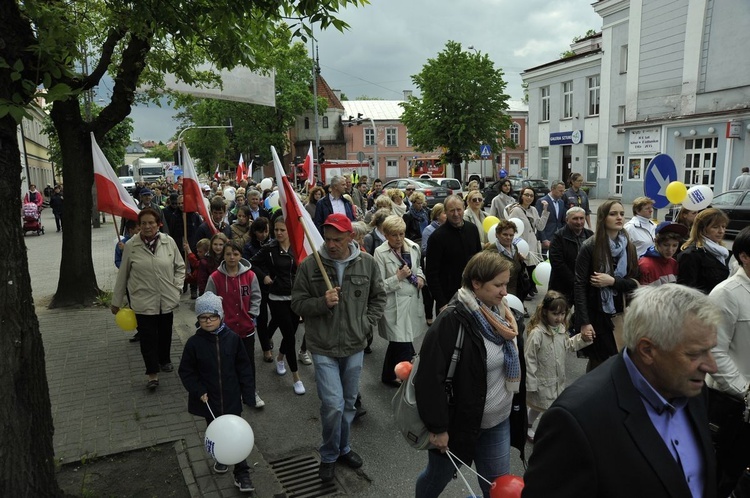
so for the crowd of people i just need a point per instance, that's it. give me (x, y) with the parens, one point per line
(653, 307)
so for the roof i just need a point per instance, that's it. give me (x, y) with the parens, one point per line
(324, 90)
(390, 110)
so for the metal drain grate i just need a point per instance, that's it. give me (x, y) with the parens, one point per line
(298, 476)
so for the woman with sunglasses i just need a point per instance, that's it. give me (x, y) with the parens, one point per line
(475, 214)
(532, 221)
(502, 200)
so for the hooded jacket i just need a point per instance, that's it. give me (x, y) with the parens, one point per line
(343, 330)
(656, 269)
(217, 365)
(241, 295)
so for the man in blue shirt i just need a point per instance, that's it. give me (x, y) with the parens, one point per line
(637, 425)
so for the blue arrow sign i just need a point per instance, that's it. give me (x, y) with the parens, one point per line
(485, 151)
(660, 172)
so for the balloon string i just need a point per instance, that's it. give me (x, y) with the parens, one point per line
(452, 455)
(209, 410)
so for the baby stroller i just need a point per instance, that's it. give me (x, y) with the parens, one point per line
(32, 219)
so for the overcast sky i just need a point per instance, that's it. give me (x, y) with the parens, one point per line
(390, 40)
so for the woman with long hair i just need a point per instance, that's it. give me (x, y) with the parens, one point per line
(704, 261)
(606, 271)
(532, 221)
(474, 423)
(503, 199)
(475, 214)
(316, 193)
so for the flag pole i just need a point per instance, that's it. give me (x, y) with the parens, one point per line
(315, 254)
(117, 230)
(184, 226)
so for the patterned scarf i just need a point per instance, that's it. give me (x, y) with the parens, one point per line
(498, 330)
(405, 259)
(618, 249)
(151, 243)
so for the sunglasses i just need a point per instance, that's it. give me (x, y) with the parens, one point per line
(477, 199)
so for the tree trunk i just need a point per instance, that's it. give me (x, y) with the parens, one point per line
(457, 170)
(77, 283)
(27, 465)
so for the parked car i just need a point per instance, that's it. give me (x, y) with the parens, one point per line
(540, 186)
(127, 182)
(736, 205)
(451, 184)
(432, 191)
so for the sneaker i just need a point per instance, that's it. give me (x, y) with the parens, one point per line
(280, 368)
(167, 367)
(304, 358)
(259, 403)
(220, 468)
(244, 483)
(299, 388)
(530, 433)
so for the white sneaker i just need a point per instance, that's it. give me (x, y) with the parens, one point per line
(304, 358)
(280, 368)
(299, 388)
(259, 403)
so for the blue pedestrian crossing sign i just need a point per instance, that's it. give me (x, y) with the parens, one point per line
(660, 172)
(485, 151)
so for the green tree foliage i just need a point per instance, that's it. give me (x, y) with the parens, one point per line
(255, 127)
(113, 144)
(161, 151)
(462, 105)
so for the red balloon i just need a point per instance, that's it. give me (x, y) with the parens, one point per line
(507, 486)
(403, 370)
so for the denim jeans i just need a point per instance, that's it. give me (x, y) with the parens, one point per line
(338, 384)
(491, 460)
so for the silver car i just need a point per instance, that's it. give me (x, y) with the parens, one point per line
(432, 191)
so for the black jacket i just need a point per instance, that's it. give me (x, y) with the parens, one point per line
(217, 365)
(56, 203)
(413, 230)
(563, 251)
(700, 269)
(280, 266)
(204, 232)
(463, 419)
(449, 250)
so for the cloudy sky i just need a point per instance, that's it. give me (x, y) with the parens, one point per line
(390, 40)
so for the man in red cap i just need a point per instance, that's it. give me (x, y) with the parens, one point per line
(338, 322)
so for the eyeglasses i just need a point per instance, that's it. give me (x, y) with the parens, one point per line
(410, 190)
(528, 195)
(208, 318)
(477, 199)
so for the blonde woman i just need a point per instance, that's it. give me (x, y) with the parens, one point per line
(704, 261)
(397, 201)
(399, 262)
(474, 213)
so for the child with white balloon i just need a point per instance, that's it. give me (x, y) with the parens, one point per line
(217, 388)
(546, 343)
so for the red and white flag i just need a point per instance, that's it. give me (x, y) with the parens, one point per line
(191, 190)
(295, 215)
(240, 170)
(217, 176)
(309, 167)
(111, 196)
(249, 173)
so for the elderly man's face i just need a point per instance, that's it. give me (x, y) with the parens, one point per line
(682, 371)
(576, 221)
(455, 212)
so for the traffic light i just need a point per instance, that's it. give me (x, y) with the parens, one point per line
(321, 154)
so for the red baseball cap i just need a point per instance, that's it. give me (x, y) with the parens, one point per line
(340, 222)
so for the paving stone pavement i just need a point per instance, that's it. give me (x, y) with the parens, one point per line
(100, 405)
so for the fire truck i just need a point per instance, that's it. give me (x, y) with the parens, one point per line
(332, 167)
(432, 166)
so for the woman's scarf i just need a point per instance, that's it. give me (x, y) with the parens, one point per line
(498, 330)
(151, 243)
(716, 250)
(618, 249)
(503, 250)
(405, 259)
(421, 217)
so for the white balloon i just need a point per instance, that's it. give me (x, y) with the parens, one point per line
(491, 235)
(266, 184)
(229, 439)
(273, 200)
(514, 303)
(519, 226)
(698, 197)
(522, 246)
(542, 273)
(230, 193)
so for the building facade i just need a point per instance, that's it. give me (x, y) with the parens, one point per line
(36, 166)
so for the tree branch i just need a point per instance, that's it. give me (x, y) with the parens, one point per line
(113, 38)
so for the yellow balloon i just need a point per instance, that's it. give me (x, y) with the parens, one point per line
(489, 222)
(125, 319)
(676, 192)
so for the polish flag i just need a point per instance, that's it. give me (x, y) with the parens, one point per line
(111, 196)
(249, 173)
(240, 170)
(217, 176)
(295, 215)
(191, 190)
(309, 167)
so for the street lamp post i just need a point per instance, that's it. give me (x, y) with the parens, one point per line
(179, 135)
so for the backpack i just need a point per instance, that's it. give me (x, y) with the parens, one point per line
(404, 403)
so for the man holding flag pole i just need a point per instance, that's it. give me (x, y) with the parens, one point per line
(335, 286)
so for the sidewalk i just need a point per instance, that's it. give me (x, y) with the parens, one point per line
(100, 405)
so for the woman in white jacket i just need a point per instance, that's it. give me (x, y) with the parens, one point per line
(475, 214)
(403, 320)
(152, 272)
(527, 213)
